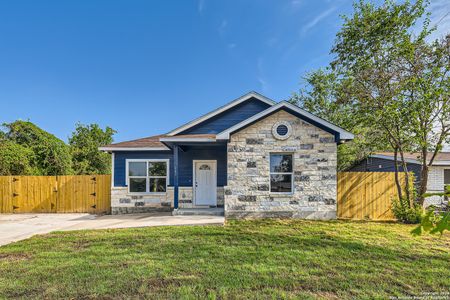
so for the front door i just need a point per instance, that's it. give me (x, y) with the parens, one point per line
(205, 182)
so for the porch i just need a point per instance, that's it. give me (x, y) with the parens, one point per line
(199, 175)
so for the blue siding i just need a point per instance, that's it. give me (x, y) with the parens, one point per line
(186, 158)
(218, 153)
(228, 118)
(375, 164)
(120, 157)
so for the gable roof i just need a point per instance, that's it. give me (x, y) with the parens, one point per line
(441, 159)
(340, 133)
(151, 143)
(159, 142)
(221, 109)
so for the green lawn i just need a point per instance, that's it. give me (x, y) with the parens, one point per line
(252, 259)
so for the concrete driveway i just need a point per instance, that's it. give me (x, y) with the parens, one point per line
(15, 227)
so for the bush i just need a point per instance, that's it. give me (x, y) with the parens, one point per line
(51, 155)
(16, 159)
(406, 214)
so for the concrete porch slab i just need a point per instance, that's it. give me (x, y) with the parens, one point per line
(215, 211)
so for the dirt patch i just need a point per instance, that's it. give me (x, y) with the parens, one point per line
(14, 256)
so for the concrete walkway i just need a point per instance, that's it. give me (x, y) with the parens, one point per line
(16, 227)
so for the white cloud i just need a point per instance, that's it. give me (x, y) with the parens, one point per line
(201, 6)
(264, 84)
(296, 3)
(261, 78)
(317, 19)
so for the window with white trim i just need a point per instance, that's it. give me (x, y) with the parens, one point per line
(147, 176)
(281, 173)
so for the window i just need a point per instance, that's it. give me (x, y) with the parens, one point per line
(281, 173)
(446, 177)
(282, 130)
(147, 176)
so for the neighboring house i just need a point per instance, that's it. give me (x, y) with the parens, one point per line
(252, 157)
(438, 174)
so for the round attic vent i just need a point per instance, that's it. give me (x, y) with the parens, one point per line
(282, 130)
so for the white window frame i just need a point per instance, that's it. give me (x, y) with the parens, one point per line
(281, 173)
(147, 177)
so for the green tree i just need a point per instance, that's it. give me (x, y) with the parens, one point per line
(84, 143)
(401, 81)
(16, 159)
(325, 94)
(51, 155)
(427, 93)
(370, 49)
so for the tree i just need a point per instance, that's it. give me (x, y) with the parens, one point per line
(325, 94)
(370, 49)
(398, 80)
(51, 155)
(16, 159)
(392, 80)
(428, 96)
(84, 143)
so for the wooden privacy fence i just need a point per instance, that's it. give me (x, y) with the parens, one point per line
(55, 194)
(366, 195)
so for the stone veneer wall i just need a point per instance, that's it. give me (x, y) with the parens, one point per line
(185, 197)
(122, 202)
(315, 160)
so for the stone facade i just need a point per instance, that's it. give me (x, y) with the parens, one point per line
(123, 202)
(185, 197)
(314, 166)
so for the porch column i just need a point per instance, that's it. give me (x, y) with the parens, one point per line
(175, 176)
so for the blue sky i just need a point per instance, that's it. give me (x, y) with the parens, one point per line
(146, 67)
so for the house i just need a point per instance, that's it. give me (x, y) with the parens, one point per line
(252, 157)
(438, 174)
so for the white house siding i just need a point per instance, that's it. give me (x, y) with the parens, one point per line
(435, 184)
(314, 162)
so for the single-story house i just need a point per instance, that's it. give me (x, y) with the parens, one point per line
(438, 174)
(252, 157)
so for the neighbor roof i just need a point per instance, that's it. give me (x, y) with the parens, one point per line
(442, 158)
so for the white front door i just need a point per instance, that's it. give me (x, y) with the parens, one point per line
(205, 182)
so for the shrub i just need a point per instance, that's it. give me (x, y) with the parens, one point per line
(51, 155)
(16, 159)
(406, 214)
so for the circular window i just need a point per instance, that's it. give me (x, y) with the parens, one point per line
(282, 130)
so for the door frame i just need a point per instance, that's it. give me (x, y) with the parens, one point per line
(194, 176)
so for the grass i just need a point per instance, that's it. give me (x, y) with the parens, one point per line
(245, 259)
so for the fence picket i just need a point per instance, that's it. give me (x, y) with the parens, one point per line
(50, 194)
(366, 195)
